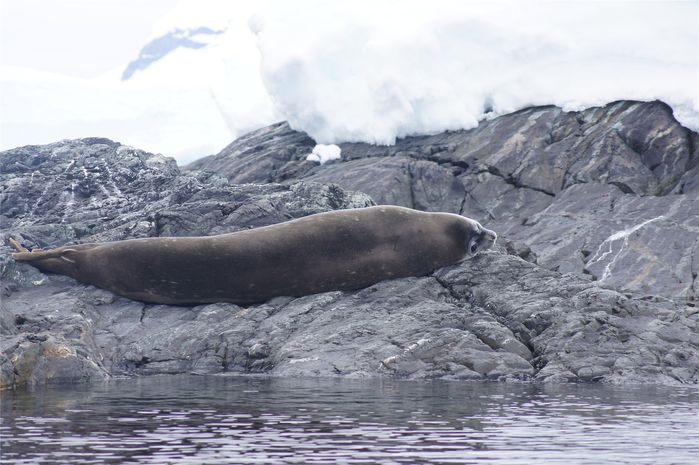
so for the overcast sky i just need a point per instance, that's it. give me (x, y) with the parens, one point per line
(80, 38)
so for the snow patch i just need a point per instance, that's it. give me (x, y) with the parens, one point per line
(372, 71)
(158, 159)
(322, 153)
(303, 360)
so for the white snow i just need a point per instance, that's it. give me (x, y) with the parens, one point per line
(366, 71)
(179, 119)
(190, 103)
(214, 14)
(376, 70)
(322, 153)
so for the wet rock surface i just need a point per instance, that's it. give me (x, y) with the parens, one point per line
(594, 278)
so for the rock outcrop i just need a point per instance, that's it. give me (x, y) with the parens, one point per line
(594, 280)
(609, 192)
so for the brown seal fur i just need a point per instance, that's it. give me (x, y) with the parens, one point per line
(337, 250)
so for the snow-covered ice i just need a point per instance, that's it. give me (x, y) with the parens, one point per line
(189, 103)
(366, 71)
(322, 153)
(375, 70)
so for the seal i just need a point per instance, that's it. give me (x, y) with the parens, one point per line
(337, 250)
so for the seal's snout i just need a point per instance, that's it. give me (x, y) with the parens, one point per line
(483, 241)
(490, 237)
(487, 239)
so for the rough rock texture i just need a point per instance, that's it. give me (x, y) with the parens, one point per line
(93, 190)
(608, 193)
(529, 310)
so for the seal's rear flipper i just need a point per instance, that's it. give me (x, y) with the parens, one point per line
(25, 255)
(18, 247)
(64, 253)
(61, 260)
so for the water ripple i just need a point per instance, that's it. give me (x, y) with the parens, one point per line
(212, 420)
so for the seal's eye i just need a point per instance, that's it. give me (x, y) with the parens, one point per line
(474, 247)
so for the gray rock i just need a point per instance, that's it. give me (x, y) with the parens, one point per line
(637, 146)
(496, 317)
(645, 245)
(267, 155)
(93, 190)
(529, 310)
(556, 184)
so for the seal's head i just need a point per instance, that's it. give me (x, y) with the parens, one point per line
(479, 239)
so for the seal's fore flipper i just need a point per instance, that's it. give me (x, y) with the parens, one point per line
(65, 258)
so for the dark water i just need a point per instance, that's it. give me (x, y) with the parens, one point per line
(221, 420)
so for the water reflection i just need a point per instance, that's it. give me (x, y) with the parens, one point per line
(209, 420)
